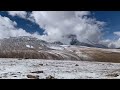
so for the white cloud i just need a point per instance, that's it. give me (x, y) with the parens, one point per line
(58, 24)
(112, 43)
(115, 43)
(8, 29)
(108, 43)
(117, 33)
(21, 14)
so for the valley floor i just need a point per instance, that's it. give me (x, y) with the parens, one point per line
(59, 69)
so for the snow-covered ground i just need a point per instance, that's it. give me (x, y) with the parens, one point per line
(59, 69)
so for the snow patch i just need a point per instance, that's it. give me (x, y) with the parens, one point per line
(29, 46)
(56, 47)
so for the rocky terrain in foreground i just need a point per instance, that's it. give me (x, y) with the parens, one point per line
(57, 69)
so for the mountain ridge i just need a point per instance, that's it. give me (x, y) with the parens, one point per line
(33, 48)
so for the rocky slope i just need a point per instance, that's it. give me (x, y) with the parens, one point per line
(33, 48)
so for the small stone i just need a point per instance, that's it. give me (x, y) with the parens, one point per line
(76, 65)
(37, 72)
(113, 75)
(14, 76)
(41, 64)
(33, 77)
(18, 72)
(50, 77)
(26, 58)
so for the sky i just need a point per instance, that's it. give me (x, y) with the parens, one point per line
(97, 26)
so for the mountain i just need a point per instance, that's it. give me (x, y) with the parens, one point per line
(76, 42)
(31, 47)
(22, 43)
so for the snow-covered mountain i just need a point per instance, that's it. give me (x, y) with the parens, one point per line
(22, 43)
(25, 42)
(31, 47)
(92, 44)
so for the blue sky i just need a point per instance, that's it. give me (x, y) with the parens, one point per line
(24, 23)
(112, 18)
